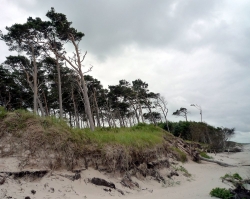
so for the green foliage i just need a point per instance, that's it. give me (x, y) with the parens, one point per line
(237, 176)
(184, 170)
(205, 155)
(232, 177)
(221, 193)
(180, 155)
(200, 132)
(3, 112)
(17, 120)
(140, 136)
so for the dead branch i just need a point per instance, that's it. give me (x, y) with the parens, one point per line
(217, 162)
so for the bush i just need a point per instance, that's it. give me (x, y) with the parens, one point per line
(3, 112)
(237, 176)
(221, 193)
(205, 155)
(232, 178)
(180, 155)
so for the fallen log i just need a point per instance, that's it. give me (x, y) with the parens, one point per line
(20, 174)
(102, 182)
(217, 162)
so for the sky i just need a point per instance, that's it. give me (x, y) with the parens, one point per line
(189, 51)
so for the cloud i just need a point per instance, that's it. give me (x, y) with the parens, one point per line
(189, 51)
(241, 137)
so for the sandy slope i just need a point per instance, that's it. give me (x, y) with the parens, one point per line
(205, 176)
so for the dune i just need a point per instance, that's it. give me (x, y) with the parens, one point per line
(59, 184)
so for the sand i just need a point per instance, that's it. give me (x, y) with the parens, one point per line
(56, 185)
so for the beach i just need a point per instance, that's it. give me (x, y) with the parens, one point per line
(59, 184)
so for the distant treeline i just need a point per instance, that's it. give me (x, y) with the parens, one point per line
(215, 137)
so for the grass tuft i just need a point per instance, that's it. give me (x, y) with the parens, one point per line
(3, 112)
(205, 155)
(180, 155)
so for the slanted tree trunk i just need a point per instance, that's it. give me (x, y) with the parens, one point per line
(136, 114)
(140, 111)
(162, 103)
(97, 110)
(75, 109)
(150, 112)
(41, 106)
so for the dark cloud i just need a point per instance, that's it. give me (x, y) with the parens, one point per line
(190, 51)
(109, 25)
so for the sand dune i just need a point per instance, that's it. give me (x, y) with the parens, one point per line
(57, 184)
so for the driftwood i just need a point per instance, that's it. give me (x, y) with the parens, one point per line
(2, 180)
(32, 174)
(102, 182)
(217, 162)
(72, 177)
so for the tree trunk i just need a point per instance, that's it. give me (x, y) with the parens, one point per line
(59, 87)
(75, 110)
(35, 104)
(140, 110)
(97, 110)
(46, 105)
(41, 106)
(217, 162)
(150, 112)
(136, 114)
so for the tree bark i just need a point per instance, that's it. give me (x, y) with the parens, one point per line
(97, 110)
(76, 112)
(59, 87)
(35, 88)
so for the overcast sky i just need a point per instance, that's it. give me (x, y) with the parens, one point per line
(189, 51)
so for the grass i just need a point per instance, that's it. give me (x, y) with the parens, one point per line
(183, 170)
(124, 146)
(140, 136)
(3, 112)
(205, 155)
(232, 177)
(181, 156)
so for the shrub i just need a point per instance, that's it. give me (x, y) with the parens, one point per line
(205, 155)
(180, 155)
(232, 178)
(3, 112)
(185, 171)
(237, 176)
(221, 193)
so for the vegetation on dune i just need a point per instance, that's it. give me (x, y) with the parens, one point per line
(48, 81)
(80, 119)
(213, 138)
(45, 137)
(221, 193)
(205, 155)
(139, 136)
(238, 191)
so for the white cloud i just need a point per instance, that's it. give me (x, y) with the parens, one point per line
(241, 137)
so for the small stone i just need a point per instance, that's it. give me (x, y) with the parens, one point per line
(33, 192)
(52, 190)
